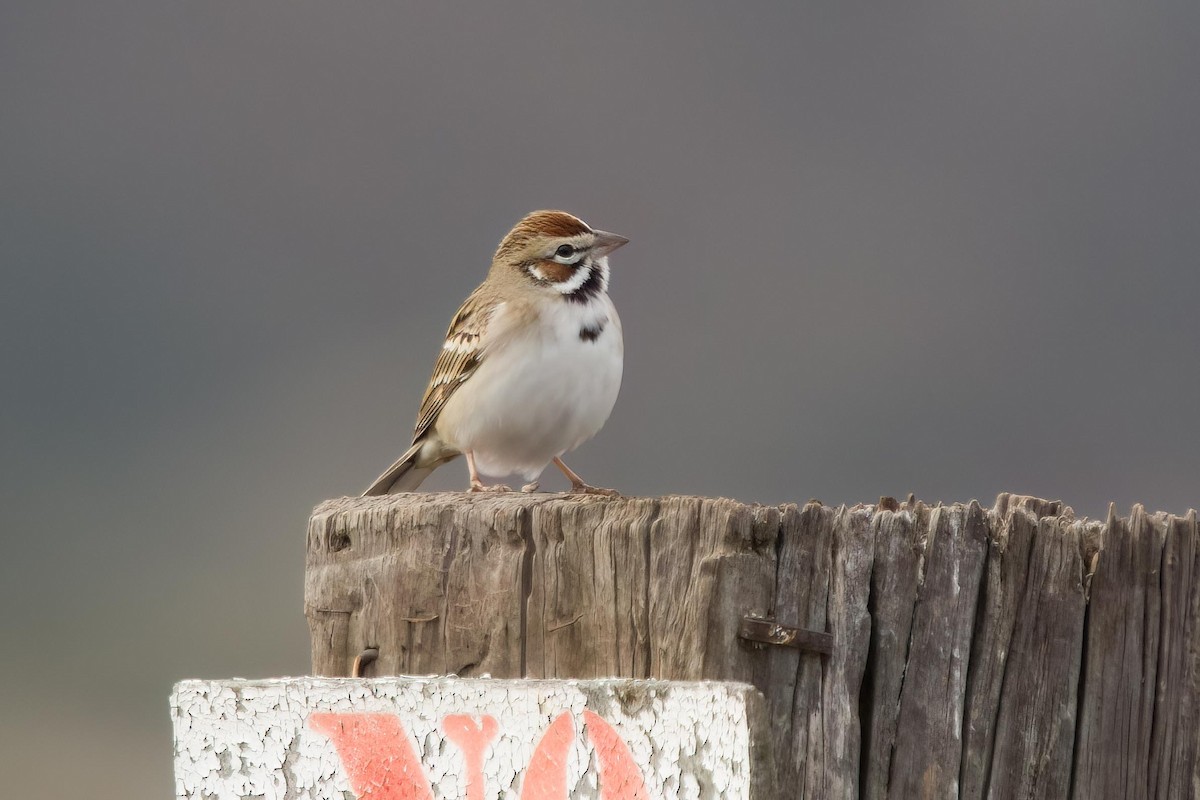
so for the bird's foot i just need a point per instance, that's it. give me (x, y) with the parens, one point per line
(477, 486)
(583, 488)
(532, 486)
(577, 484)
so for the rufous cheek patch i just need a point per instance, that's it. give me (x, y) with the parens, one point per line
(555, 272)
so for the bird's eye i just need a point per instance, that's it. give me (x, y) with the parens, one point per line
(564, 251)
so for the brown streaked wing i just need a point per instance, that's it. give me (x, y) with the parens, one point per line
(455, 365)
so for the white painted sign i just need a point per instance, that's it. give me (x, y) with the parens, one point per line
(479, 739)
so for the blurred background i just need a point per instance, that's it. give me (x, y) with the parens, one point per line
(943, 248)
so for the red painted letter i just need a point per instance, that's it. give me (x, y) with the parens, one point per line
(377, 754)
(546, 777)
(472, 739)
(379, 758)
(620, 778)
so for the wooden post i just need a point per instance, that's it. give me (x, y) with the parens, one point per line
(1010, 652)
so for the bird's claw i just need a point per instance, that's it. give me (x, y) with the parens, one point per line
(476, 486)
(583, 488)
(532, 486)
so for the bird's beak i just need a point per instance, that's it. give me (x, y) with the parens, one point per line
(607, 242)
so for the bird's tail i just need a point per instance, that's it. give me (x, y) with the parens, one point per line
(403, 476)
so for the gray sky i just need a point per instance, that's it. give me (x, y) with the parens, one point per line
(944, 248)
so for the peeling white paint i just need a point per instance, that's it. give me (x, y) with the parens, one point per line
(249, 739)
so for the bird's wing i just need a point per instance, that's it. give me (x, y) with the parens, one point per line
(461, 355)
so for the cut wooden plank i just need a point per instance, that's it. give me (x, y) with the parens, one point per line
(435, 586)
(793, 689)
(711, 561)
(832, 768)
(929, 731)
(479, 583)
(329, 632)
(743, 585)
(1120, 663)
(1035, 716)
(1174, 738)
(587, 612)
(901, 538)
(1009, 545)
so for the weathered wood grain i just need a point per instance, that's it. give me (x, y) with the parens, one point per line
(1009, 546)
(793, 689)
(1174, 771)
(435, 586)
(901, 537)
(832, 769)
(587, 611)
(1016, 652)
(1117, 696)
(929, 731)
(711, 561)
(1176, 731)
(1035, 714)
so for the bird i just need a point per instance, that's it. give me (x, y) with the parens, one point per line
(531, 365)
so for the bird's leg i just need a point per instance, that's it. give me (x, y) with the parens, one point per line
(476, 483)
(577, 484)
(532, 486)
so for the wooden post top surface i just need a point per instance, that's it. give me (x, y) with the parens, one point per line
(1004, 504)
(510, 501)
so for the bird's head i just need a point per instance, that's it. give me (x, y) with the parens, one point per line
(558, 252)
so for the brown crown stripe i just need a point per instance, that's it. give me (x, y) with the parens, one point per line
(550, 224)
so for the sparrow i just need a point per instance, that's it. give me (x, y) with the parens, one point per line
(531, 365)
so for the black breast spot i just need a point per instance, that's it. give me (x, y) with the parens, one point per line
(590, 333)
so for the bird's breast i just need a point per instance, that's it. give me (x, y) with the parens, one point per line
(545, 391)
